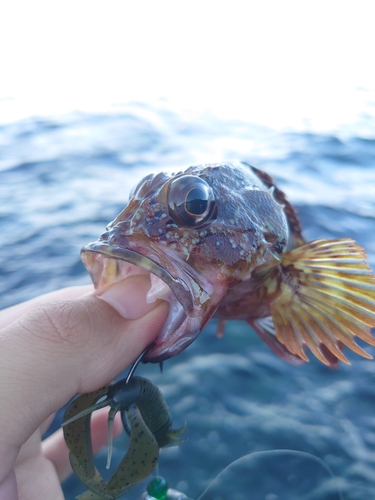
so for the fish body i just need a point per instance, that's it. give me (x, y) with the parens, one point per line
(222, 240)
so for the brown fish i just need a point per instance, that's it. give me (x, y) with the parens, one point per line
(222, 240)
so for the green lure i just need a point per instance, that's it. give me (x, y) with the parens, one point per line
(148, 421)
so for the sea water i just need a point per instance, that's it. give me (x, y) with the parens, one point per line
(63, 178)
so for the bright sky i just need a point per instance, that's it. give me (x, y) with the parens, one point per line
(279, 63)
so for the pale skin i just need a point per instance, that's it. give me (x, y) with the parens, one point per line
(52, 347)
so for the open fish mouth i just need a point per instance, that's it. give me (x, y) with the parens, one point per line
(109, 264)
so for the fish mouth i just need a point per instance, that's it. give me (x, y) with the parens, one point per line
(188, 300)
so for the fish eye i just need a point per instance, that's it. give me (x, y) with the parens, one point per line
(191, 201)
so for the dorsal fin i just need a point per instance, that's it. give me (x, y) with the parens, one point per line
(290, 212)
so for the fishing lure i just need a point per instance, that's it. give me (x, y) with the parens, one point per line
(146, 417)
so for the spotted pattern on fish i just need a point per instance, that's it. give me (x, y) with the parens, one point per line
(227, 243)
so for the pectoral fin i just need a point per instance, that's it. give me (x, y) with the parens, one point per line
(265, 329)
(327, 297)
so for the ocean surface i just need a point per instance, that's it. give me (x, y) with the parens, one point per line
(62, 179)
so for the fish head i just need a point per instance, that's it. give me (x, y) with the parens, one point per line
(197, 233)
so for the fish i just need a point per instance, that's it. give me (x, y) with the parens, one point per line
(146, 418)
(222, 240)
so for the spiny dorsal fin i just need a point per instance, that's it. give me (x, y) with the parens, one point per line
(327, 297)
(290, 211)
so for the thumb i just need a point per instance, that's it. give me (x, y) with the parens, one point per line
(70, 346)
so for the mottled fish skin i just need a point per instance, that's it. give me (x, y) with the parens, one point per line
(219, 236)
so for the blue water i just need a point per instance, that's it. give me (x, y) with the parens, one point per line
(63, 179)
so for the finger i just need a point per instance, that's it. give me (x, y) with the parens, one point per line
(45, 425)
(55, 449)
(37, 479)
(65, 347)
(10, 314)
(8, 487)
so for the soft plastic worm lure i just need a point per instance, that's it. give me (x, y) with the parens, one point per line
(146, 418)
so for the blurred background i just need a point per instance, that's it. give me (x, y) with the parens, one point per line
(95, 95)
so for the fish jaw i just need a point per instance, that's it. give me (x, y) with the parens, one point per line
(192, 300)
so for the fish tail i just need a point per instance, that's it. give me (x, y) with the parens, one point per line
(325, 298)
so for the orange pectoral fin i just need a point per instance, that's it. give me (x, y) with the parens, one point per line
(327, 297)
(265, 329)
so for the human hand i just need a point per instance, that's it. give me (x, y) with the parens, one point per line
(52, 347)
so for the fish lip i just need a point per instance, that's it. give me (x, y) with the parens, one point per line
(177, 285)
(191, 300)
